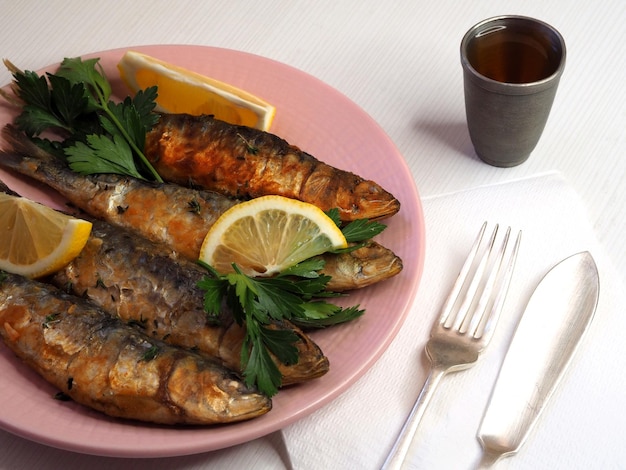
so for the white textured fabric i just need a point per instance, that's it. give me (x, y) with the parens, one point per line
(582, 425)
(399, 61)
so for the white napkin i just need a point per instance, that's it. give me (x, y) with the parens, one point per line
(583, 424)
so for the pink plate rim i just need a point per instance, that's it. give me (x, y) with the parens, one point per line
(325, 123)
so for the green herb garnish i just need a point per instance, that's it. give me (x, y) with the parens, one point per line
(360, 230)
(99, 135)
(150, 353)
(357, 232)
(258, 302)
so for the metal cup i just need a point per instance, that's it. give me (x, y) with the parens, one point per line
(511, 70)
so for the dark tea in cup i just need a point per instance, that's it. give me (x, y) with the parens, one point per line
(511, 70)
(511, 54)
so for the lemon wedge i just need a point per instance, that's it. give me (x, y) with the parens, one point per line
(36, 240)
(183, 91)
(268, 234)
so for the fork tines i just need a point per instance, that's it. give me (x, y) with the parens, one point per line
(483, 271)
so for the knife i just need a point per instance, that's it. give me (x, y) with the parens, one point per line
(556, 317)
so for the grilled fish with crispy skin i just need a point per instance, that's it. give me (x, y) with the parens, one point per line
(165, 213)
(109, 366)
(243, 162)
(139, 282)
(171, 214)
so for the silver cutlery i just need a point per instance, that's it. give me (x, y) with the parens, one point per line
(464, 327)
(556, 317)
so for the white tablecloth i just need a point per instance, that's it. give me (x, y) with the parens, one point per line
(399, 61)
(581, 426)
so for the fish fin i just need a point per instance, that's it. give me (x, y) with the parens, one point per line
(21, 144)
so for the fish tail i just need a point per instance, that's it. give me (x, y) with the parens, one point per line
(25, 157)
(20, 143)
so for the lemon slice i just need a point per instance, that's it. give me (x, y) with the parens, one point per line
(268, 234)
(36, 240)
(183, 91)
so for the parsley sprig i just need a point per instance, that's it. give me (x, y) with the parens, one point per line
(356, 231)
(98, 135)
(296, 294)
(101, 136)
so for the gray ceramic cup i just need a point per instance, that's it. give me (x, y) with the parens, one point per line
(511, 69)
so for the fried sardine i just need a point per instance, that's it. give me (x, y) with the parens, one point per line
(171, 214)
(243, 162)
(107, 365)
(139, 282)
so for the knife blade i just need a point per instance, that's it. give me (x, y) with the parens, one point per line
(555, 319)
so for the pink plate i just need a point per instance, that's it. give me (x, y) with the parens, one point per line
(326, 124)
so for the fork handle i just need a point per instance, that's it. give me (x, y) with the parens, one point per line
(398, 453)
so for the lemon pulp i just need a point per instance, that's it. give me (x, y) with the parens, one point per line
(184, 91)
(266, 235)
(36, 240)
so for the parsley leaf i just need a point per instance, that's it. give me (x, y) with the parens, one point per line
(258, 303)
(322, 314)
(356, 231)
(362, 229)
(68, 100)
(75, 102)
(308, 269)
(259, 368)
(33, 89)
(102, 154)
(90, 73)
(280, 342)
(334, 215)
(144, 102)
(33, 120)
(57, 106)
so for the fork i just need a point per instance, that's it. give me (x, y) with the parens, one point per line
(464, 328)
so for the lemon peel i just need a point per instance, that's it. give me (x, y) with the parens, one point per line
(184, 91)
(268, 234)
(36, 240)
